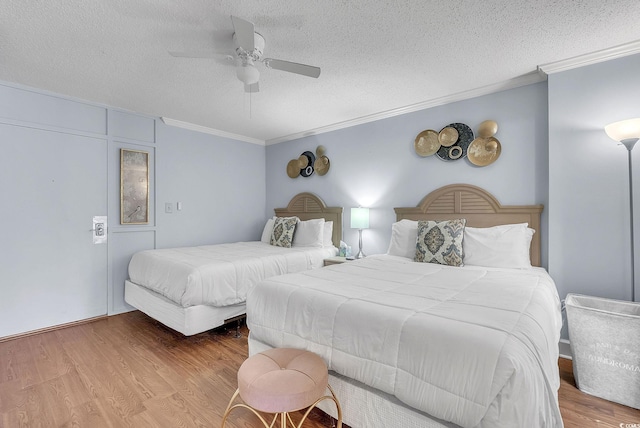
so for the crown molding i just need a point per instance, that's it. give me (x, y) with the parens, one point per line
(526, 79)
(591, 58)
(212, 131)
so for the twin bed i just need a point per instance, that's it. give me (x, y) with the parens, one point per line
(407, 344)
(195, 289)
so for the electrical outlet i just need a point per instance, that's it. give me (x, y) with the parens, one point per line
(168, 207)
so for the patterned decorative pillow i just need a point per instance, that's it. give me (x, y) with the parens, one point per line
(283, 228)
(440, 242)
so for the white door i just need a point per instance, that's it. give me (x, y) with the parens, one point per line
(52, 184)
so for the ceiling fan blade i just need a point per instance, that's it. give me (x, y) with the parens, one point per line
(292, 67)
(250, 89)
(244, 33)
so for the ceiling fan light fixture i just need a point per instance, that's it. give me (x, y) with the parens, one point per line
(247, 73)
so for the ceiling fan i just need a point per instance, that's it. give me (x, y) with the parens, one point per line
(249, 47)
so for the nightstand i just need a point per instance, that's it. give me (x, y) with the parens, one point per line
(334, 260)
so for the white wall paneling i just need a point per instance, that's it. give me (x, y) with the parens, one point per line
(42, 110)
(131, 126)
(126, 239)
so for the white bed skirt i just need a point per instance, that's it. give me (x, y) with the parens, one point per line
(363, 406)
(188, 321)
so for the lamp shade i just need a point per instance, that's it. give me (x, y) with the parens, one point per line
(359, 218)
(624, 130)
(247, 73)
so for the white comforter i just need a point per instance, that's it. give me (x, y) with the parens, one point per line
(218, 275)
(474, 346)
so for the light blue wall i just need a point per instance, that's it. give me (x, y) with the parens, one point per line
(554, 152)
(375, 164)
(60, 166)
(220, 183)
(588, 179)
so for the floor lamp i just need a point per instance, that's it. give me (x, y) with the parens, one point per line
(627, 132)
(360, 220)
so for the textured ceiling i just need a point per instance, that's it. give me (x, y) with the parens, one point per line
(375, 56)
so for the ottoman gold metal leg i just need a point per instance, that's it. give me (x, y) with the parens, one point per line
(285, 418)
(331, 397)
(231, 407)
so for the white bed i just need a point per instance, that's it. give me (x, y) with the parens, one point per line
(425, 345)
(195, 289)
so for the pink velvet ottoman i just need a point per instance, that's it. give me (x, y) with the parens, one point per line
(280, 381)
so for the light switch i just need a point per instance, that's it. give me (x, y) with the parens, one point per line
(179, 206)
(168, 207)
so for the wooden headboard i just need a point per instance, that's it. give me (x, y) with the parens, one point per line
(480, 209)
(307, 206)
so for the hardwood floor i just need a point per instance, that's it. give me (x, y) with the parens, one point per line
(586, 411)
(130, 371)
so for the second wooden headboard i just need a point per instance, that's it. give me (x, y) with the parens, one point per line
(478, 207)
(307, 206)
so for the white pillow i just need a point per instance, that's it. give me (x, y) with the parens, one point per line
(404, 235)
(268, 229)
(309, 233)
(327, 234)
(505, 246)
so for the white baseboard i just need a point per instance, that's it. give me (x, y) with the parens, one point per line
(565, 349)
(122, 309)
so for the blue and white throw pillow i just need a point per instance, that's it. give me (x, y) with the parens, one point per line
(283, 229)
(440, 242)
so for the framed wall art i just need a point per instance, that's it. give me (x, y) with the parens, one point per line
(134, 187)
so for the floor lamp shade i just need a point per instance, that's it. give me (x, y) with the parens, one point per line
(624, 130)
(627, 132)
(360, 220)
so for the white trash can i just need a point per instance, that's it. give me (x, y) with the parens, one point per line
(605, 343)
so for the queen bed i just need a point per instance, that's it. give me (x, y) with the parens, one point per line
(195, 289)
(424, 344)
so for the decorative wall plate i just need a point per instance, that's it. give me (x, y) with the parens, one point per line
(303, 161)
(487, 128)
(427, 143)
(484, 151)
(322, 165)
(448, 136)
(308, 163)
(308, 170)
(293, 168)
(465, 137)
